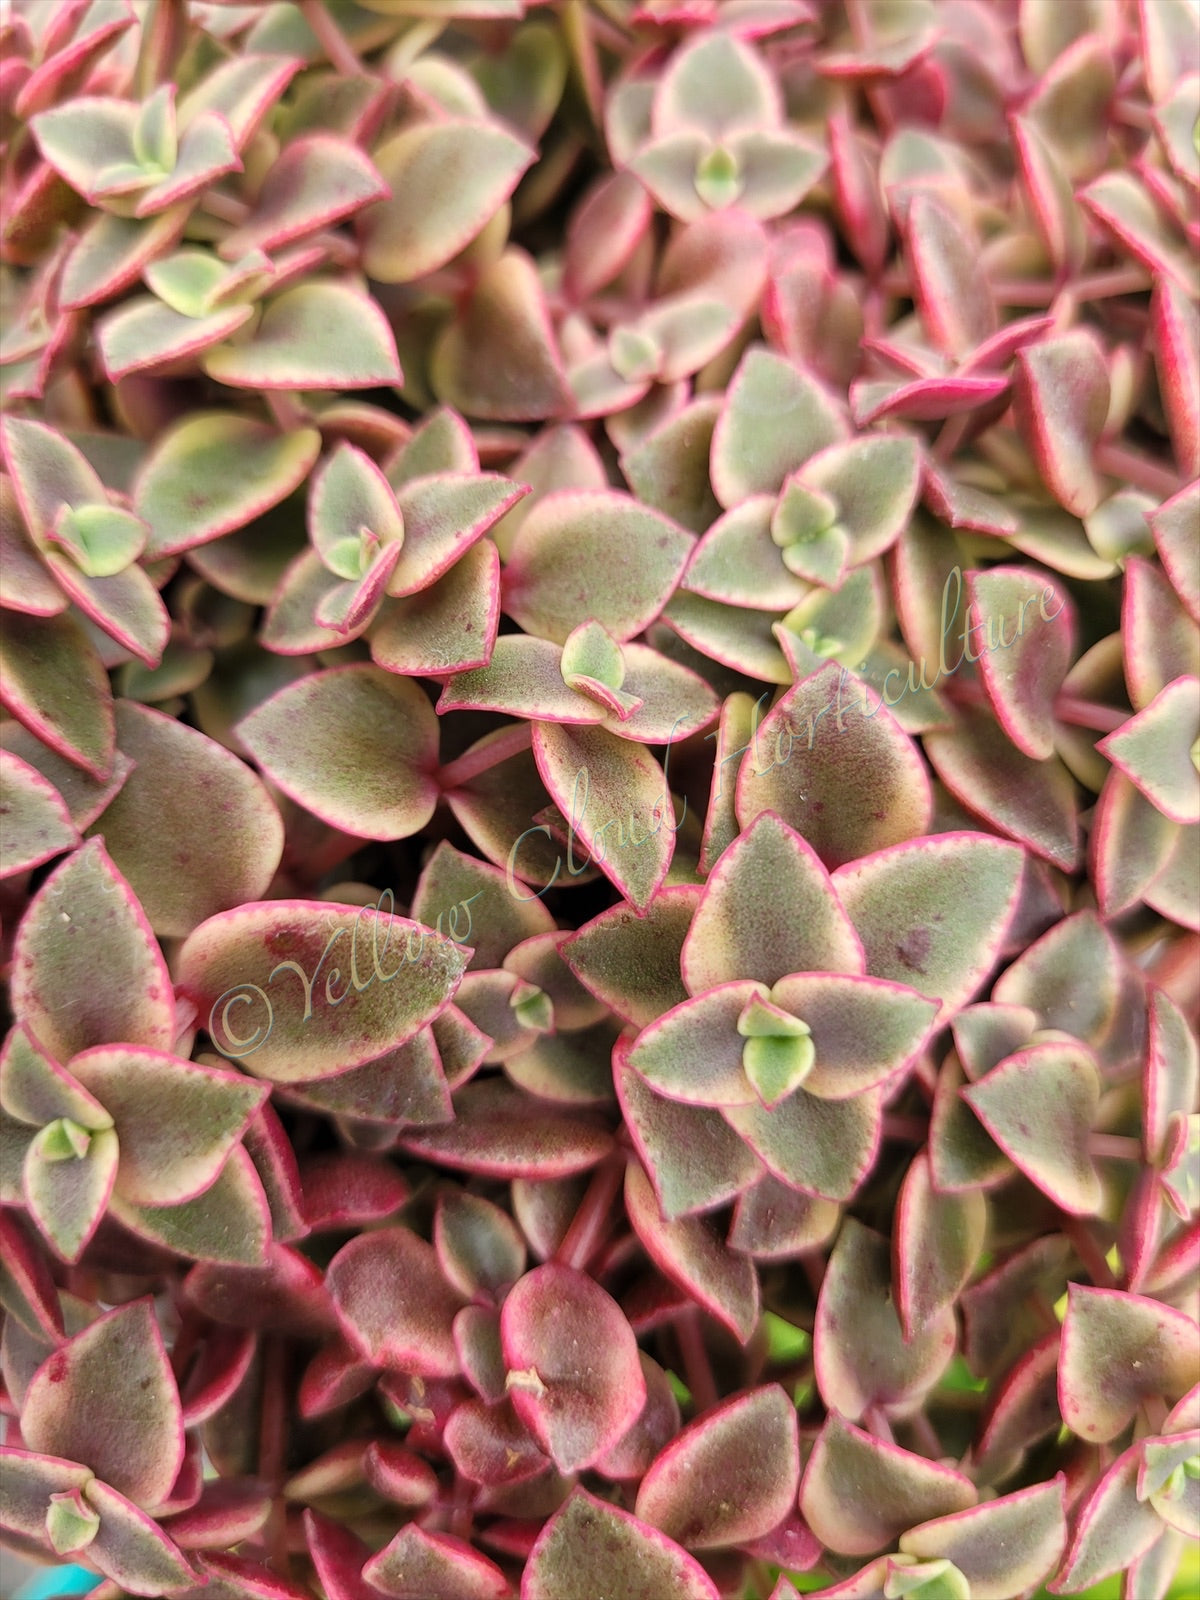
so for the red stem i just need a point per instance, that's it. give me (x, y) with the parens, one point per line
(1115, 1146)
(287, 412)
(331, 39)
(907, 1130)
(483, 757)
(1088, 1250)
(1119, 462)
(272, 1446)
(697, 1369)
(587, 1227)
(1086, 714)
(875, 1422)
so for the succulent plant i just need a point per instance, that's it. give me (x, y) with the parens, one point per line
(600, 797)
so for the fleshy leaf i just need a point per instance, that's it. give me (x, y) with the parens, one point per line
(215, 472)
(393, 1303)
(820, 1146)
(859, 1492)
(54, 682)
(573, 1371)
(37, 824)
(589, 1548)
(1119, 1349)
(68, 1178)
(317, 180)
(694, 1052)
(937, 1242)
(1023, 682)
(849, 786)
(1114, 1527)
(1061, 396)
(417, 1563)
(314, 336)
(775, 417)
(1039, 1106)
(1002, 1548)
(85, 905)
(229, 1223)
(297, 1034)
(446, 179)
(1158, 750)
(877, 1366)
(730, 1476)
(500, 1131)
(583, 556)
(365, 765)
(116, 1367)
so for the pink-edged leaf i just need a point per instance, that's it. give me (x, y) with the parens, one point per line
(314, 336)
(1051, 198)
(859, 1493)
(694, 1159)
(953, 295)
(573, 1372)
(338, 1555)
(286, 1294)
(496, 920)
(241, 90)
(477, 1340)
(819, 1146)
(28, 1481)
(1161, 641)
(616, 798)
(737, 561)
(223, 855)
(718, 85)
(632, 962)
(1003, 1547)
(116, 1367)
(215, 472)
(417, 1563)
(229, 963)
(84, 796)
(67, 1197)
(53, 960)
(603, 233)
(1023, 1407)
(131, 1549)
(1114, 1527)
(775, 417)
(1022, 682)
(1117, 1350)
(861, 1356)
(489, 1444)
(500, 1131)
(318, 179)
(1157, 750)
(850, 785)
(236, 1578)
(213, 1380)
(736, 637)
(144, 334)
(1171, 1077)
(1174, 525)
(1031, 802)
(151, 1098)
(933, 913)
(1002, 1313)
(499, 359)
(444, 514)
(1071, 977)
(1039, 1107)
(112, 252)
(366, 760)
(448, 627)
(772, 1222)
(626, 557)
(691, 1255)
(25, 584)
(37, 824)
(734, 935)
(36, 1090)
(27, 1291)
(1060, 397)
(399, 1474)
(90, 141)
(1175, 892)
(523, 679)
(864, 1030)
(479, 1247)
(694, 1052)
(229, 1511)
(1177, 356)
(656, 1424)
(1125, 207)
(446, 179)
(343, 1189)
(393, 1304)
(53, 681)
(937, 1241)
(1131, 842)
(125, 607)
(749, 1445)
(229, 1223)
(48, 472)
(589, 1548)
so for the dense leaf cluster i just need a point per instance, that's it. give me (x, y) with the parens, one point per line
(600, 792)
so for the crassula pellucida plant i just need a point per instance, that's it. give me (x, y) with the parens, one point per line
(600, 798)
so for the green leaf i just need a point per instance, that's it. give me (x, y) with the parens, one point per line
(316, 336)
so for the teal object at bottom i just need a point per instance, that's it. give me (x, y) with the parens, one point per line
(62, 1581)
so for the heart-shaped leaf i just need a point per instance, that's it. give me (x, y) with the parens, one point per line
(573, 1371)
(694, 1052)
(1002, 1548)
(859, 1493)
(116, 1366)
(590, 1548)
(749, 1445)
(230, 1223)
(446, 179)
(366, 763)
(1158, 750)
(820, 1146)
(631, 961)
(417, 1563)
(1039, 1106)
(314, 336)
(393, 1303)
(1117, 1350)
(84, 905)
(317, 180)
(775, 417)
(878, 1366)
